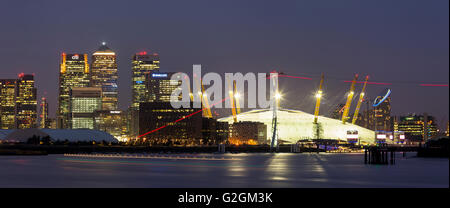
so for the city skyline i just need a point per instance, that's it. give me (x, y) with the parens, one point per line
(270, 96)
(409, 56)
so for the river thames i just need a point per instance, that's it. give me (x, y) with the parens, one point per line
(265, 170)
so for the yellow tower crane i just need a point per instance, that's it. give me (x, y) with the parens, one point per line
(361, 99)
(318, 96)
(349, 100)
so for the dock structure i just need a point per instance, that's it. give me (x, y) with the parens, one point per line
(379, 156)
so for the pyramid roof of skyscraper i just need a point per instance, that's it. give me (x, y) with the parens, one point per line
(104, 48)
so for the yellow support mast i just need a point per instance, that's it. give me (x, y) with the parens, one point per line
(233, 109)
(361, 99)
(204, 99)
(206, 109)
(318, 96)
(191, 95)
(236, 97)
(349, 100)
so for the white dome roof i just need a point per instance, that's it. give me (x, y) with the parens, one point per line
(4, 133)
(294, 125)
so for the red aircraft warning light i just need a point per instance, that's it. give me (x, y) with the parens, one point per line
(142, 53)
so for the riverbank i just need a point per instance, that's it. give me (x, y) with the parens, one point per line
(29, 149)
(75, 149)
(21, 152)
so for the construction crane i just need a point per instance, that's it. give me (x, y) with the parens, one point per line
(318, 96)
(349, 100)
(361, 99)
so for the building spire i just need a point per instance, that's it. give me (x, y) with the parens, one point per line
(104, 48)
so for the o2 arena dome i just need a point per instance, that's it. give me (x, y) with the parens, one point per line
(295, 125)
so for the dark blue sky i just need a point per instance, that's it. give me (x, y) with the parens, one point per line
(404, 42)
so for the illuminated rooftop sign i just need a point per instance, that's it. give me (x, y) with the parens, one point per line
(382, 97)
(160, 75)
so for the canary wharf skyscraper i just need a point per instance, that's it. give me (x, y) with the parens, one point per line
(44, 122)
(74, 72)
(104, 75)
(142, 65)
(26, 102)
(7, 103)
(18, 103)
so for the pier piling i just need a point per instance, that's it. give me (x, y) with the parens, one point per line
(377, 155)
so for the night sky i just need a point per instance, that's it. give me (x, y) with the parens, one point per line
(403, 42)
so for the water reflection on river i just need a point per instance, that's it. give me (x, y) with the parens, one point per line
(246, 170)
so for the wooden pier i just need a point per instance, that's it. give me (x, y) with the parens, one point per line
(379, 155)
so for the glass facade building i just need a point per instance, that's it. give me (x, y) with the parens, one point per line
(74, 72)
(104, 75)
(26, 102)
(414, 127)
(112, 122)
(142, 65)
(160, 86)
(7, 103)
(83, 104)
(154, 115)
(382, 116)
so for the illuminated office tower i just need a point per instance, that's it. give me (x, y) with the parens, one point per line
(153, 115)
(26, 102)
(160, 86)
(84, 101)
(415, 128)
(44, 123)
(112, 122)
(74, 72)
(7, 103)
(104, 75)
(142, 65)
(382, 116)
(395, 122)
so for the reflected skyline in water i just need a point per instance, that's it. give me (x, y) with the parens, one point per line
(264, 170)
